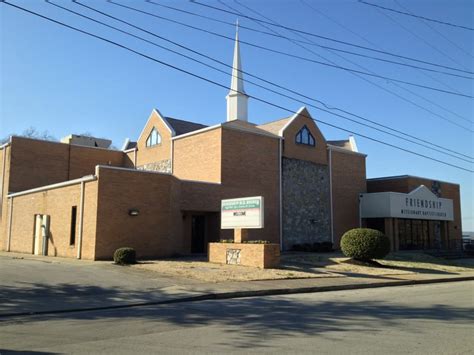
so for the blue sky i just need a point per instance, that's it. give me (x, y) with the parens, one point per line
(64, 82)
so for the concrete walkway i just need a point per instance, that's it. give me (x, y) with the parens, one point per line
(42, 285)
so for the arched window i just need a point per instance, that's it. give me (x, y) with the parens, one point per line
(304, 136)
(154, 138)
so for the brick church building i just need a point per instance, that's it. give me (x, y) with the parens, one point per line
(162, 193)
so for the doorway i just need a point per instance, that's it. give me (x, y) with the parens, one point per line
(198, 234)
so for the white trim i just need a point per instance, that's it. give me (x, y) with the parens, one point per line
(2, 185)
(280, 132)
(128, 169)
(280, 192)
(397, 177)
(10, 218)
(81, 221)
(330, 197)
(124, 145)
(129, 150)
(353, 144)
(172, 156)
(53, 186)
(4, 145)
(205, 129)
(161, 117)
(344, 150)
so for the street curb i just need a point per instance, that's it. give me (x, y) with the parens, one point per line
(246, 294)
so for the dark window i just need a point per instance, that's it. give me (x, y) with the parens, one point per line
(72, 239)
(304, 136)
(154, 138)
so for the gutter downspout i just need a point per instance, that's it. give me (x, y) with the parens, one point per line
(10, 217)
(330, 196)
(2, 185)
(81, 220)
(172, 156)
(281, 200)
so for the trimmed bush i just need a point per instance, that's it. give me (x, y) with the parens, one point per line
(125, 256)
(365, 244)
(256, 242)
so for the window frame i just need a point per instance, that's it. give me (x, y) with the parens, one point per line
(154, 135)
(299, 138)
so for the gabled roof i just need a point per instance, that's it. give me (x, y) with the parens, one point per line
(249, 127)
(344, 143)
(274, 127)
(183, 127)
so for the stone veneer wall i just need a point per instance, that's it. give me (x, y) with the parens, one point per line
(162, 166)
(306, 203)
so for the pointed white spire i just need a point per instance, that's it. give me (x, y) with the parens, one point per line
(237, 99)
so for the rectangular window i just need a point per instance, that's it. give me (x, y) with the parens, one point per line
(72, 239)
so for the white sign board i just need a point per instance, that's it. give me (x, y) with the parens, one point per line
(421, 203)
(246, 212)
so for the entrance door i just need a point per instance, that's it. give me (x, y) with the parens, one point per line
(198, 232)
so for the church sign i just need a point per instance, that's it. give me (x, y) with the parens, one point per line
(421, 203)
(246, 212)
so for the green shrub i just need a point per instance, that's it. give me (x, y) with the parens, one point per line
(125, 256)
(365, 244)
(226, 241)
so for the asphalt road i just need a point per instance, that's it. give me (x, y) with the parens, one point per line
(423, 319)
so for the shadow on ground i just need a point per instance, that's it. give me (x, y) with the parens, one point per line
(258, 320)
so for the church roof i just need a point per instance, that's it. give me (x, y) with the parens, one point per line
(345, 143)
(183, 127)
(249, 127)
(274, 127)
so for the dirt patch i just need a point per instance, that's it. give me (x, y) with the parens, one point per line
(401, 263)
(208, 272)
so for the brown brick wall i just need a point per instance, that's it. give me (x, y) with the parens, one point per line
(255, 255)
(198, 157)
(156, 231)
(291, 149)
(146, 155)
(250, 167)
(348, 181)
(36, 163)
(57, 203)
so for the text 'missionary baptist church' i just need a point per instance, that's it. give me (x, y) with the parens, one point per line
(161, 194)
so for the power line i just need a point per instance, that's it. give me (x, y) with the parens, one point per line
(309, 43)
(249, 74)
(308, 59)
(314, 9)
(418, 16)
(328, 38)
(420, 38)
(369, 81)
(279, 52)
(253, 83)
(436, 31)
(262, 23)
(406, 89)
(224, 86)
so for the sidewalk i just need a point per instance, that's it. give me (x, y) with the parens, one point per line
(44, 285)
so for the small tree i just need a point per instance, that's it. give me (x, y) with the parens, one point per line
(365, 244)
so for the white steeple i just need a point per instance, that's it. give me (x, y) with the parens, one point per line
(237, 99)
